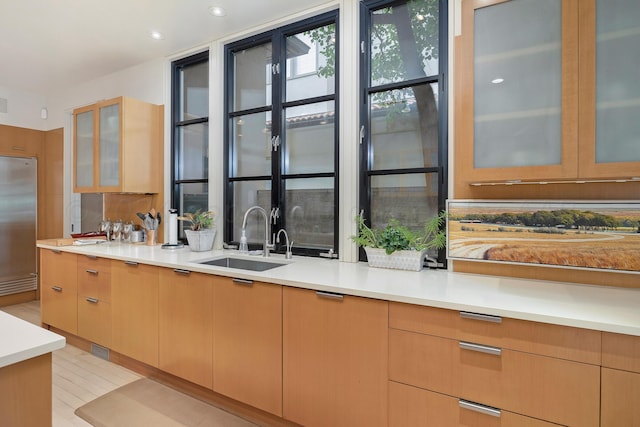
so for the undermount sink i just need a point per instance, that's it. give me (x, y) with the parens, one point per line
(242, 263)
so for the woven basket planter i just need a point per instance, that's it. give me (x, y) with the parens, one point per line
(400, 260)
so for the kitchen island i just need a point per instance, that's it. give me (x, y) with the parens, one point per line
(25, 372)
(377, 347)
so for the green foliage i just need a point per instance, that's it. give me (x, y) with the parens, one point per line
(199, 220)
(396, 237)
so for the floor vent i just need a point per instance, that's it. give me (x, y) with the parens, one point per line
(101, 352)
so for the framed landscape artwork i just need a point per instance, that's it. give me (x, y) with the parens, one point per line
(585, 235)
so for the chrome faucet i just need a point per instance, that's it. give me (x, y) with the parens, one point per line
(267, 228)
(288, 253)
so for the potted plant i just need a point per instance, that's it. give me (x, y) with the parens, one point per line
(396, 246)
(201, 233)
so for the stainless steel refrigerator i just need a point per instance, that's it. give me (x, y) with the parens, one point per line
(18, 205)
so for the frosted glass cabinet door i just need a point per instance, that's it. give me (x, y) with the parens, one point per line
(518, 84)
(611, 29)
(84, 149)
(110, 146)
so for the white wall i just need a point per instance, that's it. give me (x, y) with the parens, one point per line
(23, 109)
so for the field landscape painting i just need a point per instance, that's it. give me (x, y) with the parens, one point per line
(586, 235)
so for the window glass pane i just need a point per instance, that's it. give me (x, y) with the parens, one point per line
(310, 212)
(412, 199)
(245, 195)
(252, 77)
(194, 80)
(617, 83)
(194, 149)
(192, 197)
(110, 145)
(404, 128)
(251, 150)
(310, 142)
(404, 42)
(311, 63)
(517, 102)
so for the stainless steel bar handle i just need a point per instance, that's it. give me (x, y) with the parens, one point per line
(495, 351)
(476, 407)
(57, 288)
(91, 256)
(131, 263)
(181, 271)
(330, 295)
(243, 281)
(92, 271)
(482, 317)
(56, 251)
(92, 300)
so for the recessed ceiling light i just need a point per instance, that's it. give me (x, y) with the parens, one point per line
(156, 35)
(497, 80)
(217, 11)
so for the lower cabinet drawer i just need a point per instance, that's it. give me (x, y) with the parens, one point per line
(94, 320)
(555, 390)
(412, 406)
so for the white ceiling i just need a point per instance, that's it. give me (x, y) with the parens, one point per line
(47, 44)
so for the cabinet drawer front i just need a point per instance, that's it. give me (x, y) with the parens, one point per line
(94, 278)
(94, 320)
(411, 406)
(621, 351)
(59, 307)
(620, 397)
(564, 342)
(536, 386)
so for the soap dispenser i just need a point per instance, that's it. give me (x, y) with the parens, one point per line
(244, 247)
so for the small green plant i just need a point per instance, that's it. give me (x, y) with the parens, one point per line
(397, 237)
(199, 220)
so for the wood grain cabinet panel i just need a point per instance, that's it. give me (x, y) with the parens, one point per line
(247, 330)
(621, 351)
(134, 294)
(334, 359)
(412, 406)
(94, 299)
(532, 385)
(59, 290)
(620, 397)
(185, 325)
(563, 342)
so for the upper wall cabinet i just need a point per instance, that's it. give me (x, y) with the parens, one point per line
(539, 93)
(118, 147)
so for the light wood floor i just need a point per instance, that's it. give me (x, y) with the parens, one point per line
(78, 376)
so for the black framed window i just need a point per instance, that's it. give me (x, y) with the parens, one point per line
(190, 139)
(281, 132)
(403, 162)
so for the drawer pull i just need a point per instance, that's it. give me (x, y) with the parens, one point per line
(330, 295)
(495, 351)
(92, 271)
(131, 263)
(181, 271)
(56, 288)
(478, 316)
(92, 300)
(56, 251)
(476, 407)
(91, 256)
(243, 282)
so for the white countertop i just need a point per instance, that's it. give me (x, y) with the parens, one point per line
(21, 340)
(600, 308)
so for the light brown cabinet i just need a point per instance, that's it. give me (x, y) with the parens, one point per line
(247, 329)
(620, 380)
(94, 299)
(59, 290)
(509, 365)
(134, 301)
(334, 359)
(534, 100)
(185, 325)
(118, 147)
